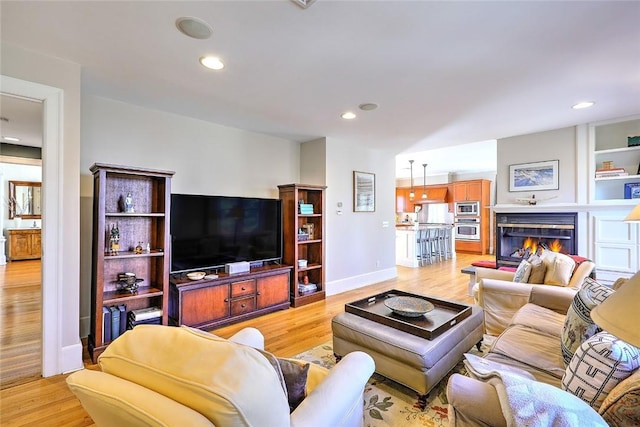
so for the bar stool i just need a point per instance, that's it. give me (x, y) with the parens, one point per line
(447, 241)
(434, 245)
(442, 243)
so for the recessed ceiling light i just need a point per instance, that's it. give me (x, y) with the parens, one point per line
(11, 138)
(194, 27)
(348, 115)
(212, 62)
(368, 106)
(584, 104)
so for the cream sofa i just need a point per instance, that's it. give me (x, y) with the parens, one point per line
(530, 342)
(178, 376)
(504, 297)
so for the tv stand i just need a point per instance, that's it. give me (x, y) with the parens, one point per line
(230, 298)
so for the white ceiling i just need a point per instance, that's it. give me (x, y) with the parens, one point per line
(21, 118)
(444, 73)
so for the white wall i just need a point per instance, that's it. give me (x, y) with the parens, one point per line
(360, 248)
(60, 81)
(556, 144)
(207, 159)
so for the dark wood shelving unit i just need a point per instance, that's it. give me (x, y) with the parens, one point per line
(149, 224)
(312, 249)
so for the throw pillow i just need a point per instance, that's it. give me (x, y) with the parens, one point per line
(523, 272)
(538, 269)
(295, 377)
(559, 268)
(578, 326)
(620, 408)
(292, 376)
(600, 363)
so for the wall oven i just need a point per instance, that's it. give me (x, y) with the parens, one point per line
(467, 228)
(467, 208)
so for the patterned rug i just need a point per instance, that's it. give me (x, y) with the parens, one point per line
(388, 403)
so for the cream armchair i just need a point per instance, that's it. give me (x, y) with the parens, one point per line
(500, 297)
(178, 376)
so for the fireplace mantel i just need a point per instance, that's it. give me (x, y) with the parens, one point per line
(562, 207)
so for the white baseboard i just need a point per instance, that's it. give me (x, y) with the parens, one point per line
(71, 358)
(355, 282)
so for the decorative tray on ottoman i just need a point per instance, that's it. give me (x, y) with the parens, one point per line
(439, 315)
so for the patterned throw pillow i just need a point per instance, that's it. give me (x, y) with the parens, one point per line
(600, 363)
(620, 408)
(522, 272)
(538, 270)
(578, 326)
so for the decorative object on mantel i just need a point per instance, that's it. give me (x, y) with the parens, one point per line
(534, 176)
(532, 201)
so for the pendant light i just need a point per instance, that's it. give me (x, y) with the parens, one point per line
(411, 193)
(424, 181)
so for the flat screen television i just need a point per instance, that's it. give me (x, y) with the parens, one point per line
(208, 232)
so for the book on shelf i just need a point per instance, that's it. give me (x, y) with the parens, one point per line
(310, 287)
(610, 170)
(106, 324)
(123, 319)
(153, 321)
(115, 322)
(145, 313)
(306, 208)
(607, 174)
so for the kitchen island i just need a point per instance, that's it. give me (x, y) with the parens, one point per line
(407, 249)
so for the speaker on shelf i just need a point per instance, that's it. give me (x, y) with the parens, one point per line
(237, 267)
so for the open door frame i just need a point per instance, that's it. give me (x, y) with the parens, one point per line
(58, 355)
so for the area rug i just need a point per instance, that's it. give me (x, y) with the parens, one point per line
(388, 403)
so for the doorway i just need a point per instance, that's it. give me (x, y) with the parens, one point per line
(20, 280)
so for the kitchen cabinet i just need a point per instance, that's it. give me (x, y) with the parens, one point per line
(23, 243)
(403, 203)
(464, 191)
(475, 190)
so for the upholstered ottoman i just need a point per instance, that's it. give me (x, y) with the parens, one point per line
(410, 360)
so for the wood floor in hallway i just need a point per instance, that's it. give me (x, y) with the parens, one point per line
(20, 322)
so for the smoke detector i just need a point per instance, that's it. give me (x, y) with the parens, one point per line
(194, 27)
(303, 3)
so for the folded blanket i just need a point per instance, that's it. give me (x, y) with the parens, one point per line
(527, 402)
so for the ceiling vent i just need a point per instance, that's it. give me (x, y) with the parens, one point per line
(194, 27)
(303, 3)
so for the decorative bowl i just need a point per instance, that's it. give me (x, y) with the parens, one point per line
(196, 275)
(408, 306)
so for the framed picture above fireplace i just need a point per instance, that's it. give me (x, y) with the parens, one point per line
(534, 176)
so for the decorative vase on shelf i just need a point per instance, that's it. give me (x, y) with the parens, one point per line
(17, 221)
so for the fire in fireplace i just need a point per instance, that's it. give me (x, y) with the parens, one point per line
(520, 235)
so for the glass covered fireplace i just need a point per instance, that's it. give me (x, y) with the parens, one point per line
(519, 235)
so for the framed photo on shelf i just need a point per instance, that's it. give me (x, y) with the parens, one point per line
(364, 192)
(534, 176)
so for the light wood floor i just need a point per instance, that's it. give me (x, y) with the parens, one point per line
(20, 322)
(48, 401)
